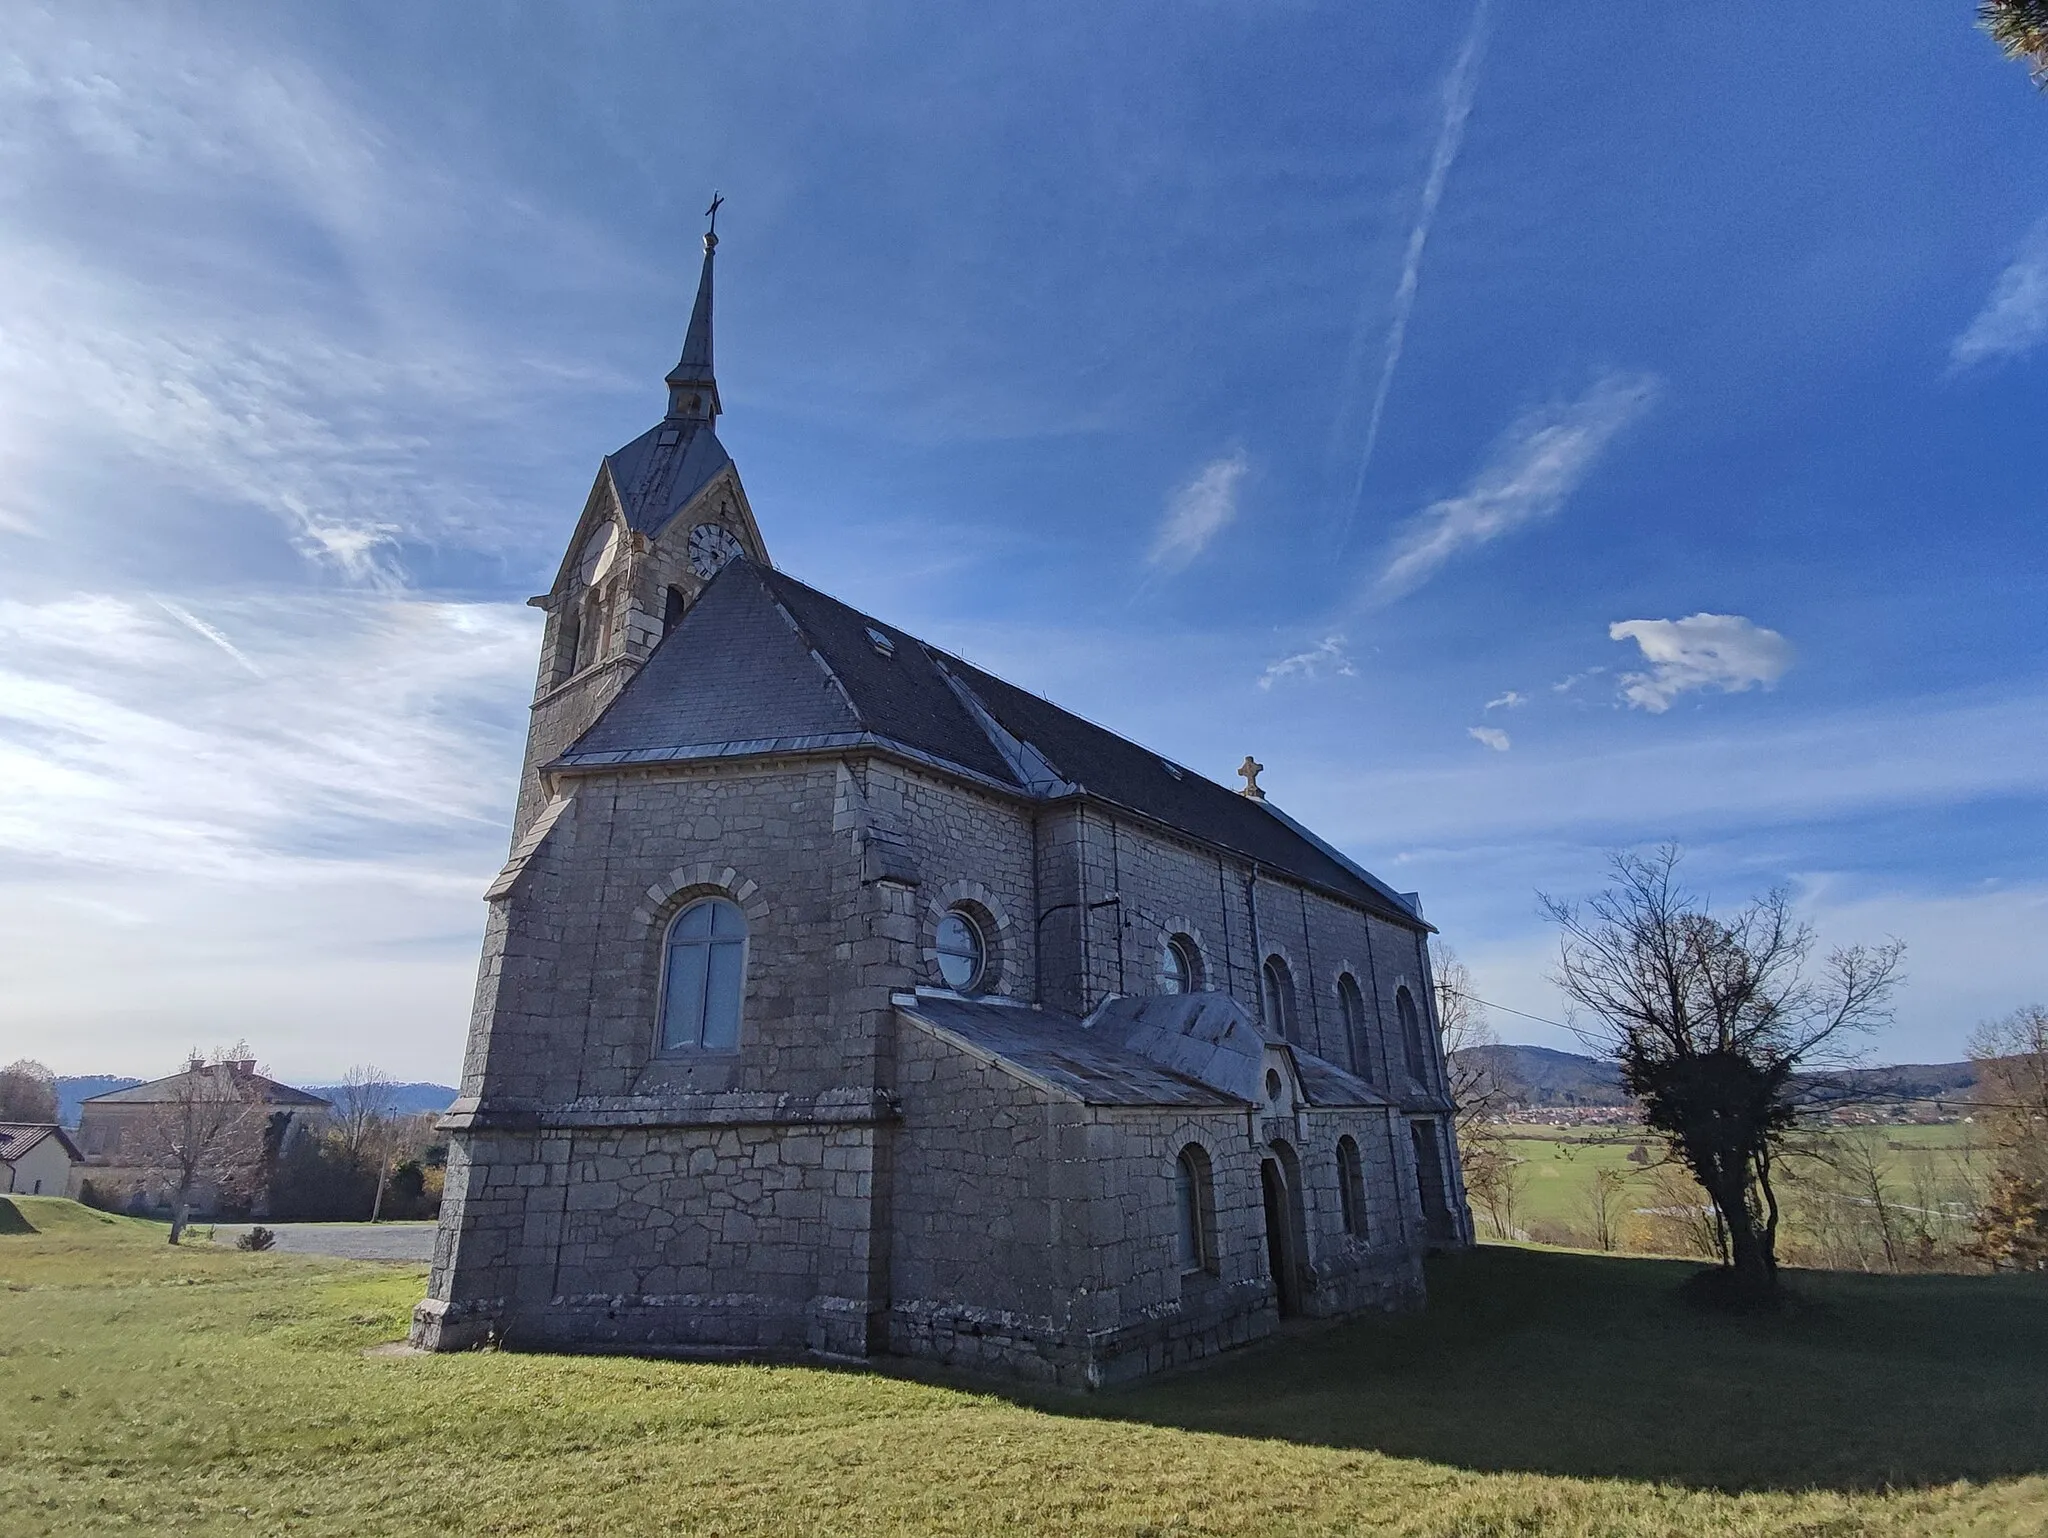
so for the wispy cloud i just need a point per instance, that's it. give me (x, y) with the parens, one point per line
(1507, 701)
(1328, 656)
(1490, 737)
(1723, 652)
(382, 724)
(1459, 90)
(1566, 685)
(2014, 320)
(199, 626)
(196, 350)
(1198, 512)
(1533, 468)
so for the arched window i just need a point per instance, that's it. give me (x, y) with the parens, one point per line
(569, 641)
(963, 951)
(703, 978)
(672, 606)
(1279, 993)
(1194, 1198)
(1412, 1041)
(1180, 966)
(1351, 1006)
(1351, 1187)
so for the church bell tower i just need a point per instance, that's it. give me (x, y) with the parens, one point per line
(666, 512)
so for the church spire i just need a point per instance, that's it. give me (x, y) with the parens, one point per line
(692, 388)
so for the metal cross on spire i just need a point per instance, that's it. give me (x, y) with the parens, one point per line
(711, 213)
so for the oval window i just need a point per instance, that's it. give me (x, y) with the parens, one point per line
(963, 953)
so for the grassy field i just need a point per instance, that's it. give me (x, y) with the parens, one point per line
(203, 1390)
(1557, 1163)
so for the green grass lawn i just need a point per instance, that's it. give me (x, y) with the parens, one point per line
(1557, 1163)
(152, 1390)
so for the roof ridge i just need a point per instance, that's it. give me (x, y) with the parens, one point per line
(762, 575)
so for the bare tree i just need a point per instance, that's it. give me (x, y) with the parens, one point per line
(28, 1092)
(1475, 1090)
(1606, 1202)
(1495, 1179)
(2012, 1086)
(365, 1111)
(209, 1131)
(1709, 1019)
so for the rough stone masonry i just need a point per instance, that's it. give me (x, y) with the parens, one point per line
(839, 998)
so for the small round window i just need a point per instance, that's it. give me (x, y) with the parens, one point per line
(963, 952)
(1178, 970)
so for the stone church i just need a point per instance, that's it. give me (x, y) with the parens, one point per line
(841, 998)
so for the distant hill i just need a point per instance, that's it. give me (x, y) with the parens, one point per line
(411, 1099)
(83, 1087)
(1545, 1077)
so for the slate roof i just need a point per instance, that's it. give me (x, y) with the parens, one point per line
(1193, 1050)
(656, 480)
(766, 694)
(17, 1138)
(1213, 1038)
(1059, 1050)
(160, 1091)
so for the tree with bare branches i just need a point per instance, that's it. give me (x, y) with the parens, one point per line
(208, 1131)
(1475, 1090)
(2012, 1084)
(1710, 1017)
(1605, 1201)
(1494, 1178)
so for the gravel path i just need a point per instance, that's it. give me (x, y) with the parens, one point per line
(350, 1241)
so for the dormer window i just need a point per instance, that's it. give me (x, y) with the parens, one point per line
(881, 642)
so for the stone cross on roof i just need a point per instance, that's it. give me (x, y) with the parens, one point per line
(1249, 771)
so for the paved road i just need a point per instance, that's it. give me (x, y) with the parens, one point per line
(351, 1241)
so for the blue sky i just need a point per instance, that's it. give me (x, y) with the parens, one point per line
(1528, 434)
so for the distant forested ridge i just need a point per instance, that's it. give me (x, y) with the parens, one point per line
(407, 1099)
(1545, 1078)
(83, 1087)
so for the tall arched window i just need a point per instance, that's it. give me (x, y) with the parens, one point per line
(1412, 1041)
(1351, 1187)
(672, 606)
(1180, 966)
(1194, 1199)
(703, 978)
(1279, 991)
(1351, 1005)
(569, 641)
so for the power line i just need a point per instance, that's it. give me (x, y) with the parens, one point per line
(1473, 998)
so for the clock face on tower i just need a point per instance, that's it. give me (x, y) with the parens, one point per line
(599, 552)
(711, 546)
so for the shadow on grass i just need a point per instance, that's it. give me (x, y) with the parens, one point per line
(1594, 1366)
(11, 1220)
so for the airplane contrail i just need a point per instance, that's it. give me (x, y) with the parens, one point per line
(199, 626)
(1460, 86)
